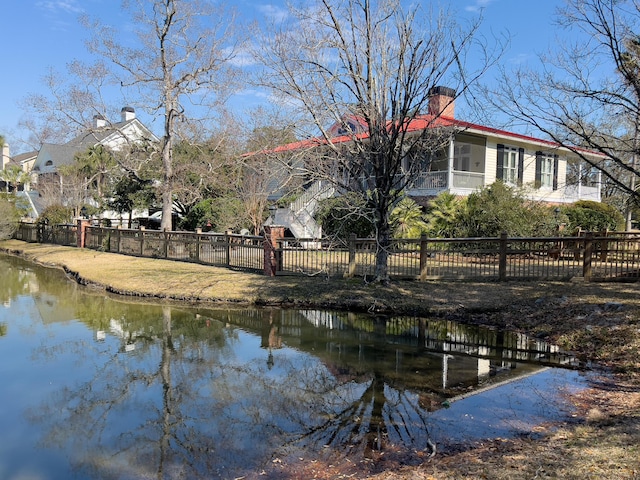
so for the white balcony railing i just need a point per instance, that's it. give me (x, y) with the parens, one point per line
(582, 192)
(438, 181)
(468, 180)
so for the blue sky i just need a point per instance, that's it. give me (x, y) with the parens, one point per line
(38, 34)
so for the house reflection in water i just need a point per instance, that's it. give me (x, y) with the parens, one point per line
(424, 354)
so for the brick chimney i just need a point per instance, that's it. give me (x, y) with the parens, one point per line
(128, 113)
(442, 101)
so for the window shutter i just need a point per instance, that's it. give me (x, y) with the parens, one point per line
(555, 172)
(538, 169)
(500, 163)
(520, 166)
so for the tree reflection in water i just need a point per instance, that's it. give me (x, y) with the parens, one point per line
(164, 392)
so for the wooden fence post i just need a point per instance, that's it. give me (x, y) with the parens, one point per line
(424, 254)
(588, 253)
(604, 246)
(502, 265)
(351, 269)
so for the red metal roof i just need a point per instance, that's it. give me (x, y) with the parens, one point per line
(417, 124)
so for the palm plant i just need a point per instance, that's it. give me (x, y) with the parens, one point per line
(407, 219)
(14, 175)
(443, 214)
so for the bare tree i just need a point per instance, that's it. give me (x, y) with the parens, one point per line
(73, 99)
(586, 94)
(263, 173)
(182, 56)
(369, 68)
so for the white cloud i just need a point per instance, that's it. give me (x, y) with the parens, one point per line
(240, 57)
(478, 5)
(65, 6)
(273, 12)
(521, 58)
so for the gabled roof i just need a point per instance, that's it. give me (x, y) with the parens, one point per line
(103, 135)
(51, 156)
(56, 154)
(24, 156)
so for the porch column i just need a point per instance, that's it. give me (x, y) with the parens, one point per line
(580, 180)
(450, 163)
(599, 185)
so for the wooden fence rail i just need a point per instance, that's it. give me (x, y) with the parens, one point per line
(610, 256)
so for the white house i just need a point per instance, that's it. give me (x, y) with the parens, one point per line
(113, 136)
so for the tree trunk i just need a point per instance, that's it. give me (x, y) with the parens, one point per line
(167, 163)
(382, 251)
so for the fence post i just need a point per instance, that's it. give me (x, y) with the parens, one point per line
(588, 253)
(198, 233)
(351, 269)
(502, 265)
(604, 246)
(227, 239)
(82, 232)
(424, 254)
(272, 233)
(167, 236)
(141, 241)
(118, 238)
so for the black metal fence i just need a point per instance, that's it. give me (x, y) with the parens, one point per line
(227, 250)
(66, 235)
(605, 256)
(610, 256)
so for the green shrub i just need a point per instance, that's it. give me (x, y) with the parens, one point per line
(56, 215)
(9, 217)
(498, 208)
(215, 214)
(443, 215)
(407, 220)
(592, 216)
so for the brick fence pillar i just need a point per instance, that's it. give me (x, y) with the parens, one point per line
(272, 234)
(82, 231)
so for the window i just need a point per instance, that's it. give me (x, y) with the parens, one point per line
(468, 153)
(510, 166)
(546, 170)
(461, 157)
(48, 163)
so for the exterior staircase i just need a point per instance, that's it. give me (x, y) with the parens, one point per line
(298, 216)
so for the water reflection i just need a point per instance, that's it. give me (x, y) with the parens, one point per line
(117, 390)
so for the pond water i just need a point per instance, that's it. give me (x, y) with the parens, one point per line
(93, 387)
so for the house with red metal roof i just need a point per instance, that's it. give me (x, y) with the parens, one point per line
(475, 156)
